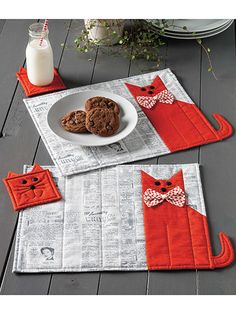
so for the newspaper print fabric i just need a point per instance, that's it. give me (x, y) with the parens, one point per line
(144, 142)
(98, 224)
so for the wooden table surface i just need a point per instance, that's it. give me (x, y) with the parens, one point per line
(20, 144)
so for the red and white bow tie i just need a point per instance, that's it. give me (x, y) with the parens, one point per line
(175, 196)
(148, 102)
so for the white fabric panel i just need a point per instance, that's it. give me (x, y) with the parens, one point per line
(98, 225)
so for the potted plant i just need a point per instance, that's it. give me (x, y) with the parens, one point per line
(135, 38)
(104, 32)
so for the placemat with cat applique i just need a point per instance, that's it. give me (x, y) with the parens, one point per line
(167, 121)
(131, 217)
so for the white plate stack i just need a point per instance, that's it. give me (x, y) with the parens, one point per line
(190, 29)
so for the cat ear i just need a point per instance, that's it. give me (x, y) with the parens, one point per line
(178, 179)
(157, 82)
(36, 167)
(146, 178)
(132, 88)
(12, 174)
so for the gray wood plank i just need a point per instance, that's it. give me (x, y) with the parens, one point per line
(219, 159)
(25, 284)
(2, 22)
(76, 68)
(123, 283)
(13, 41)
(74, 284)
(110, 66)
(183, 58)
(14, 152)
(21, 142)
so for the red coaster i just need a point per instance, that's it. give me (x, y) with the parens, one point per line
(30, 189)
(32, 90)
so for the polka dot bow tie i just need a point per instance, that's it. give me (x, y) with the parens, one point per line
(175, 196)
(148, 102)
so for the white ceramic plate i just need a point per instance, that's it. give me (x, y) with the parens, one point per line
(128, 118)
(193, 25)
(198, 34)
(209, 34)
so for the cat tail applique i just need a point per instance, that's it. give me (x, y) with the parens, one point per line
(225, 129)
(226, 256)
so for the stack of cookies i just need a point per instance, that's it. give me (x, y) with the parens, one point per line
(101, 117)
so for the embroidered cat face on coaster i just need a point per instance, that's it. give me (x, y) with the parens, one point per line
(30, 189)
(177, 235)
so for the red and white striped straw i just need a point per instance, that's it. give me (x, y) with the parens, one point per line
(45, 27)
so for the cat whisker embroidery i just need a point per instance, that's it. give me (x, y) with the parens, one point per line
(32, 186)
(31, 194)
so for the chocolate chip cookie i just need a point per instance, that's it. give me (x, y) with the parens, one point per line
(101, 102)
(102, 121)
(74, 121)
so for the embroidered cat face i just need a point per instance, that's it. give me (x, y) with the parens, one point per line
(163, 186)
(148, 96)
(149, 90)
(35, 187)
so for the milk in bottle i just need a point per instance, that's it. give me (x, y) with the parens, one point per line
(39, 58)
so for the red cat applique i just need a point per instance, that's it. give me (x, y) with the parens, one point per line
(177, 235)
(30, 189)
(180, 125)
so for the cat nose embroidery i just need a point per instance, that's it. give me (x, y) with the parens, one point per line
(32, 187)
(163, 189)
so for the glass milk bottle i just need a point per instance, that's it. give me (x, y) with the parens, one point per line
(39, 56)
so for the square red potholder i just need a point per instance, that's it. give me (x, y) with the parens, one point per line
(31, 189)
(32, 90)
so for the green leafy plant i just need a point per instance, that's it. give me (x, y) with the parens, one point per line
(137, 41)
(140, 39)
(207, 51)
